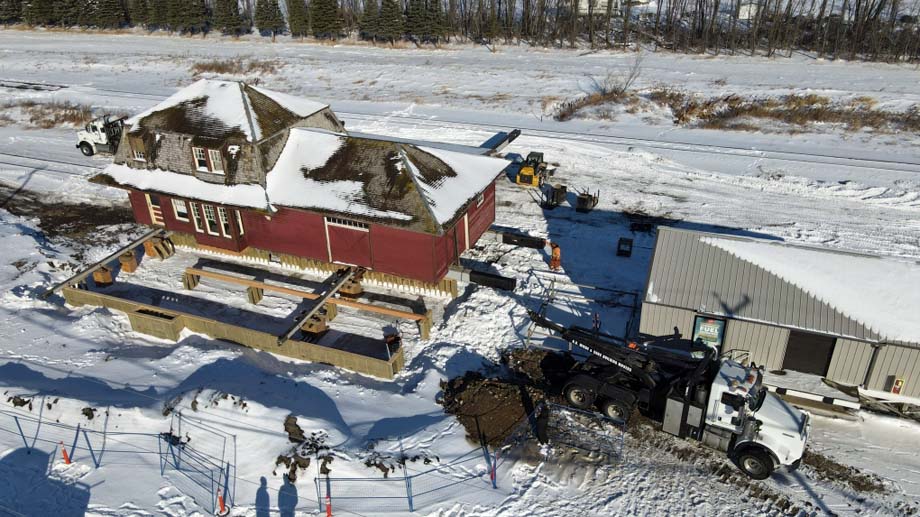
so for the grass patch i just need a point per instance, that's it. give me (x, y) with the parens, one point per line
(236, 66)
(45, 115)
(795, 111)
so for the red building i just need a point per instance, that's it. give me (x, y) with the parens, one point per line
(249, 170)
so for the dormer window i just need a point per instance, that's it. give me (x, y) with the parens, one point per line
(208, 160)
(139, 156)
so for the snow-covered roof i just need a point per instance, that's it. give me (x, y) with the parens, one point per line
(416, 186)
(217, 109)
(881, 292)
(420, 188)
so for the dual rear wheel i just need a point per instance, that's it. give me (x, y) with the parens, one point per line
(584, 398)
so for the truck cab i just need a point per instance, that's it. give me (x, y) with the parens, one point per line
(100, 135)
(735, 413)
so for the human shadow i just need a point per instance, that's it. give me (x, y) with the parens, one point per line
(27, 490)
(263, 502)
(287, 498)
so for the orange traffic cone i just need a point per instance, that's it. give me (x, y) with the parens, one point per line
(220, 503)
(64, 453)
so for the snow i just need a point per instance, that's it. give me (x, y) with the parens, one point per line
(297, 105)
(224, 102)
(90, 357)
(158, 180)
(881, 292)
(474, 174)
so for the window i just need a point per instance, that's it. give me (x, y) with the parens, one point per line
(201, 159)
(180, 209)
(217, 165)
(208, 160)
(139, 156)
(337, 221)
(210, 219)
(239, 222)
(480, 199)
(196, 216)
(224, 221)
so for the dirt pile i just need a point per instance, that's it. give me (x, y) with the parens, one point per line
(298, 457)
(546, 370)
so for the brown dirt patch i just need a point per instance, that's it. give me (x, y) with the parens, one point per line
(61, 219)
(830, 470)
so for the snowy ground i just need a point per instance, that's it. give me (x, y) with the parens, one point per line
(857, 191)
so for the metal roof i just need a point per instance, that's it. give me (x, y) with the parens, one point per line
(689, 271)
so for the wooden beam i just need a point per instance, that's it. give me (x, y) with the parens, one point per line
(307, 295)
(77, 278)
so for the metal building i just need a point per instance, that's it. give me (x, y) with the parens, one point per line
(853, 318)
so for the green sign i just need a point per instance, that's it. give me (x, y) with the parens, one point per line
(710, 330)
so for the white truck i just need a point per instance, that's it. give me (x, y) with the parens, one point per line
(691, 391)
(101, 135)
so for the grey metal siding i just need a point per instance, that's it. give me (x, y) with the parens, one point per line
(692, 274)
(900, 362)
(850, 361)
(658, 320)
(766, 344)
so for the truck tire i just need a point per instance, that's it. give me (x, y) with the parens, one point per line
(579, 396)
(755, 463)
(86, 149)
(616, 410)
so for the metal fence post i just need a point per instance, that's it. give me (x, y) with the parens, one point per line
(90, 447)
(73, 447)
(319, 494)
(23, 435)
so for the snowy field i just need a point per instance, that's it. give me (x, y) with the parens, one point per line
(856, 191)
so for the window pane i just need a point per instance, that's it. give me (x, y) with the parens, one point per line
(210, 219)
(180, 209)
(217, 165)
(239, 222)
(224, 221)
(196, 215)
(201, 160)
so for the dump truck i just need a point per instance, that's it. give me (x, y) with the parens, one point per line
(100, 135)
(688, 388)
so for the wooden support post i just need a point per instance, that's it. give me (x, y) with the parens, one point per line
(315, 324)
(424, 325)
(332, 310)
(128, 262)
(352, 288)
(103, 277)
(190, 280)
(254, 294)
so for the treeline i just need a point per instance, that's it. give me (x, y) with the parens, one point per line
(852, 29)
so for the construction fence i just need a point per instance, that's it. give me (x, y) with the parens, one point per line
(209, 466)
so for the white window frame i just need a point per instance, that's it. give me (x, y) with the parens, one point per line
(196, 217)
(176, 203)
(138, 155)
(215, 161)
(196, 151)
(239, 223)
(224, 219)
(209, 209)
(347, 223)
(480, 199)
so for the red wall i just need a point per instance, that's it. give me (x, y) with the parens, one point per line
(301, 233)
(350, 245)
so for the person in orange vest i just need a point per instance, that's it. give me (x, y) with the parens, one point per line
(555, 258)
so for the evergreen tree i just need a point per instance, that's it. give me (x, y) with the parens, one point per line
(269, 17)
(391, 25)
(175, 15)
(156, 14)
(370, 20)
(68, 12)
(196, 16)
(437, 22)
(86, 16)
(416, 19)
(298, 18)
(10, 11)
(227, 17)
(325, 17)
(137, 12)
(38, 12)
(110, 14)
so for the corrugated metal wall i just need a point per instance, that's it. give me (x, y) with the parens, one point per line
(766, 344)
(689, 273)
(901, 362)
(850, 361)
(658, 320)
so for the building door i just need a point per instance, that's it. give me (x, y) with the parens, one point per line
(808, 353)
(156, 212)
(349, 242)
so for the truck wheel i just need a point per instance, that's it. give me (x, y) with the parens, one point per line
(86, 149)
(579, 396)
(755, 463)
(616, 410)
